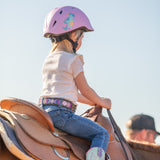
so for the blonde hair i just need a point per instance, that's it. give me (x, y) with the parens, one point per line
(65, 45)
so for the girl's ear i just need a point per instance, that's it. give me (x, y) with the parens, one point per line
(73, 36)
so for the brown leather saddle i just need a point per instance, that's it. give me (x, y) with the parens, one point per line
(28, 133)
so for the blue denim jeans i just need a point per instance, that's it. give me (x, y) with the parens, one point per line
(68, 121)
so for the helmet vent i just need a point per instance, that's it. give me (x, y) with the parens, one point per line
(54, 23)
(61, 12)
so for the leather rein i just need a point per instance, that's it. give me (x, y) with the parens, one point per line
(117, 130)
(120, 135)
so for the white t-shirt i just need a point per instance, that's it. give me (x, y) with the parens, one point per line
(59, 71)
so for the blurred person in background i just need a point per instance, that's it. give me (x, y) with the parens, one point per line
(141, 128)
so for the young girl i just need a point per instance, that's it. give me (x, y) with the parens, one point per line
(64, 82)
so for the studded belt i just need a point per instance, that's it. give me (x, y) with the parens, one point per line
(58, 102)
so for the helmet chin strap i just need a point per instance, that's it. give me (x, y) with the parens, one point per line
(74, 44)
(67, 36)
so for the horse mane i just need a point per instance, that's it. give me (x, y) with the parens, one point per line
(144, 146)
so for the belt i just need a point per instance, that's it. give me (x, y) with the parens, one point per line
(59, 102)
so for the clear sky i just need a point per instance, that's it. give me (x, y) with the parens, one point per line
(122, 55)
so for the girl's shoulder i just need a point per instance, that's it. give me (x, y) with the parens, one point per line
(70, 56)
(65, 56)
(80, 56)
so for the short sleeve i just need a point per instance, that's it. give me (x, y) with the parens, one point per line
(77, 65)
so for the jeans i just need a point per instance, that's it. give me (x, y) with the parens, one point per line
(68, 121)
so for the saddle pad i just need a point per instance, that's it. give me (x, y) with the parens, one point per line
(11, 142)
(25, 107)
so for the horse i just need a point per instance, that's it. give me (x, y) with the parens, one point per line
(138, 150)
(4, 152)
(35, 137)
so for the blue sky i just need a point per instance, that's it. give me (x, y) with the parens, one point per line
(122, 55)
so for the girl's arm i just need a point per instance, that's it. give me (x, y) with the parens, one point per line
(89, 93)
(84, 100)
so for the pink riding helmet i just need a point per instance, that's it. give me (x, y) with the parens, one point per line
(65, 19)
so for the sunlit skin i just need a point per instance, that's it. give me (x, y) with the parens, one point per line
(72, 36)
(145, 136)
(88, 95)
(80, 42)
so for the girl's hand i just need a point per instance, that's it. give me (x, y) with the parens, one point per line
(106, 103)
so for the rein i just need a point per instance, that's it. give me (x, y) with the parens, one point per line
(119, 135)
(93, 113)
